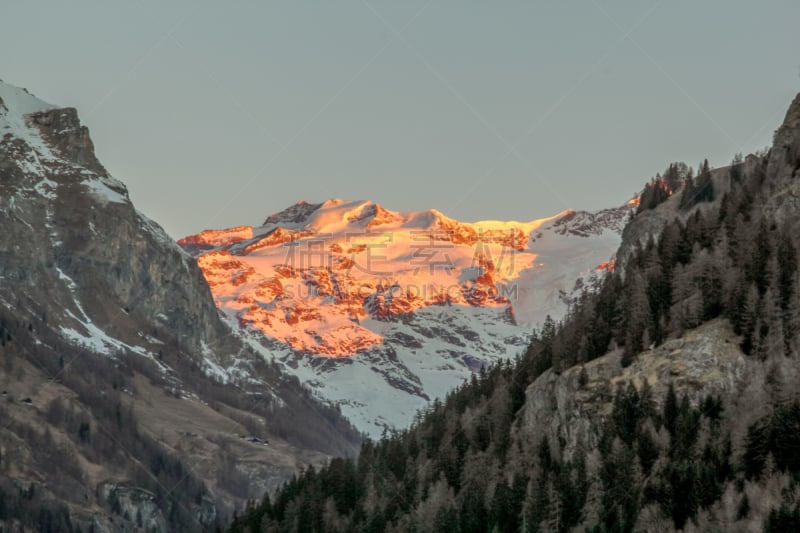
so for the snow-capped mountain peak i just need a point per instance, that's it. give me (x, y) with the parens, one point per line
(18, 102)
(418, 298)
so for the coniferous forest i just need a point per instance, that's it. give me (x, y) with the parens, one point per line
(727, 253)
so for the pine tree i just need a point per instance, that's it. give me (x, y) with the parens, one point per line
(671, 410)
(536, 506)
(736, 170)
(771, 336)
(637, 317)
(672, 178)
(704, 185)
(783, 519)
(688, 193)
(503, 514)
(625, 412)
(749, 321)
(647, 450)
(743, 509)
(683, 495)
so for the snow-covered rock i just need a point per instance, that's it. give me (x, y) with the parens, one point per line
(379, 311)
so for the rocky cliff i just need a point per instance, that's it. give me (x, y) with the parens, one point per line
(129, 403)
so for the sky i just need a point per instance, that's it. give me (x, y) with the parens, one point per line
(217, 114)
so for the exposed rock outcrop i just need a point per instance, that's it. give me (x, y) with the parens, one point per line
(570, 408)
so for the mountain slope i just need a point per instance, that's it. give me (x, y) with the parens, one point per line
(665, 400)
(108, 332)
(378, 312)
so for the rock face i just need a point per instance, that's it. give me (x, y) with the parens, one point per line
(783, 166)
(786, 148)
(379, 311)
(99, 307)
(569, 408)
(136, 503)
(75, 222)
(62, 130)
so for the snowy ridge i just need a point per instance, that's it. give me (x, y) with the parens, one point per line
(18, 102)
(16, 105)
(380, 311)
(37, 157)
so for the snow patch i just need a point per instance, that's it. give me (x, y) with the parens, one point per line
(93, 338)
(103, 192)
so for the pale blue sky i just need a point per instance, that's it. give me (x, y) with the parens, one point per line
(218, 114)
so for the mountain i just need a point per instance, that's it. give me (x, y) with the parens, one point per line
(127, 402)
(379, 312)
(665, 400)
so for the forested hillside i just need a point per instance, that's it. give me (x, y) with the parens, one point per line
(666, 399)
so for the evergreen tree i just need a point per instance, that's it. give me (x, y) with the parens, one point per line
(704, 185)
(671, 410)
(783, 519)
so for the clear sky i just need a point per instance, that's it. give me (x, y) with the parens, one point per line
(219, 113)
